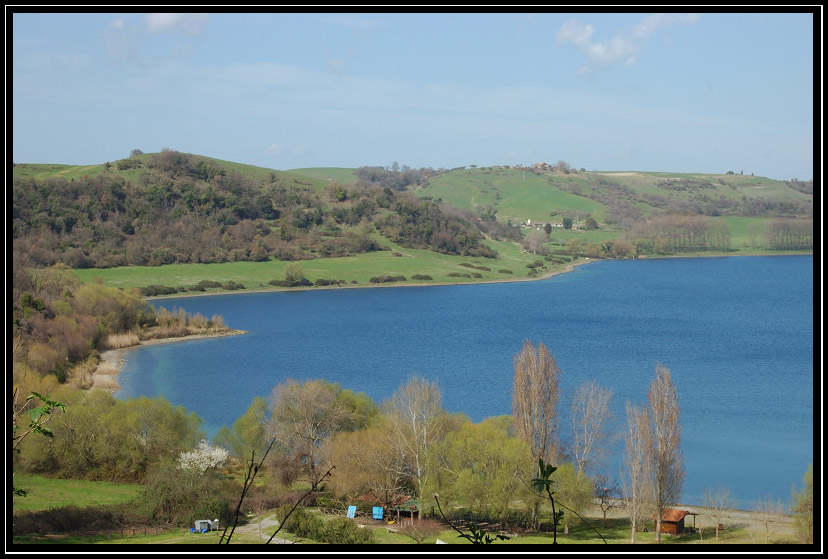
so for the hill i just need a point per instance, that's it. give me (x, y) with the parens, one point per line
(176, 208)
(172, 207)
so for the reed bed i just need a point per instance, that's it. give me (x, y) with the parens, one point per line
(119, 341)
(105, 382)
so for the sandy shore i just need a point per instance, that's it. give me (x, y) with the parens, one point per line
(106, 373)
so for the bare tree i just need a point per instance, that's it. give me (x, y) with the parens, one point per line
(634, 479)
(718, 501)
(608, 495)
(590, 416)
(771, 514)
(535, 395)
(303, 417)
(416, 413)
(533, 242)
(665, 456)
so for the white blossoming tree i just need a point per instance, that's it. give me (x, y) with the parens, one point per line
(203, 457)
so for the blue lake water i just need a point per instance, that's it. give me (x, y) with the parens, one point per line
(736, 334)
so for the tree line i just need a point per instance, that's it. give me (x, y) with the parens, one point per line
(354, 450)
(60, 325)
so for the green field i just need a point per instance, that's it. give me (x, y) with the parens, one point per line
(45, 493)
(514, 194)
(355, 270)
(341, 175)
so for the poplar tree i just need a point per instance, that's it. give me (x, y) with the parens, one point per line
(535, 395)
(664, 445)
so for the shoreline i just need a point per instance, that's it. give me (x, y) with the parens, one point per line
(112, 361)
(568, 267)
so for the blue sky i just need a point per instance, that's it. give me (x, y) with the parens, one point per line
(703, 92)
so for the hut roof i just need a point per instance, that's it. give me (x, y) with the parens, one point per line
(673, 515)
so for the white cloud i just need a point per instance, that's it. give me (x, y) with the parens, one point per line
(190, 24)
(623, 48)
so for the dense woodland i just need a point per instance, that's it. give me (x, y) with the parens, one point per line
(183, 208)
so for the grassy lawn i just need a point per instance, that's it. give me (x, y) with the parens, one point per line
(46, 493)
(354, 270)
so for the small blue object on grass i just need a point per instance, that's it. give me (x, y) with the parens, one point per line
(377, 513)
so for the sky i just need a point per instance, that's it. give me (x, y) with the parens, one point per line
(638, 91)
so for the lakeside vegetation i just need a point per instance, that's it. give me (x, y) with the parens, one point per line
(91, 243)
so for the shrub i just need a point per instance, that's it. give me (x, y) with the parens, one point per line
(341, 530)
(205, 284)
(155, 290)
(505, 271)
(421, 277)
(386, 279)
(325, 282)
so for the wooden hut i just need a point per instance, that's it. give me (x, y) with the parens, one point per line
(672, 521)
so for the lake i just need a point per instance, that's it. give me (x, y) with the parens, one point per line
(735, 332)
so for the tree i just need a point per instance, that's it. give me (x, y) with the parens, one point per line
(770, 513)
(368, 462)
(718, 501)
(294, 275)
(590, 416)
(249, 432)
(664, 445)
(533, 242)
(547, 228)
(634, 480)
(480, 466)
(590, 223)
(575, 491)
(567, 222)
(535, 394)
(607, 494)
(535, 397)
(203, 457)
(416, 415)
(803, 507)
(303, 417)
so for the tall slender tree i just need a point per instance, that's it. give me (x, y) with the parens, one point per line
(634, 479)
(535, 395)
(591, 415)
(665, 455)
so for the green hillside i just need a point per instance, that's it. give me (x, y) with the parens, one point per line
(176, 220)
(514, 194)
(341, 175)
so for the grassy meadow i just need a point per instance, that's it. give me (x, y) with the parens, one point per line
(357, 271)
(45, 493)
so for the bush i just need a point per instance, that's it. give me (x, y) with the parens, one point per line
(506, 271)
(321, 282)
(154, 290)
(421, 277)
(205, 284)
(386, 279)
(341, 530)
